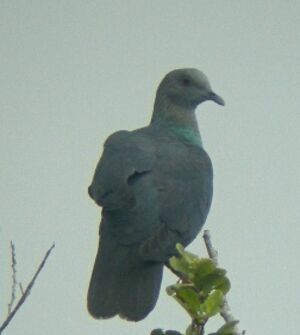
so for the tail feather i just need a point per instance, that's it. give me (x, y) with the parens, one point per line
(140, 290)
(121, 284)
(101, 293)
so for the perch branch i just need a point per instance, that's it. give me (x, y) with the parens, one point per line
(213, 254)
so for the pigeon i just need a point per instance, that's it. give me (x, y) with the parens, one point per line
(155, 187)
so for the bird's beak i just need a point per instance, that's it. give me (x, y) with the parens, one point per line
(216, 98)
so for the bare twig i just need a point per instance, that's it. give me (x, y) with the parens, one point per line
(213, 254)
(21, 288)
(14, 277)
(26, 292)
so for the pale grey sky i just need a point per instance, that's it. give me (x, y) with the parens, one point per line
(72, 72)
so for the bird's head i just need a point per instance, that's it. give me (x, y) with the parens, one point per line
(187, 88)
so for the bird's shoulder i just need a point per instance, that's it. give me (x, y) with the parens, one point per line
(125, 139)
(134, 147)
(117, 139)
(157, 149)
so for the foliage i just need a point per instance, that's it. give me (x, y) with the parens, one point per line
(200, 291)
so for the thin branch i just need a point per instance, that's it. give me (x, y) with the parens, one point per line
(14, 277)
(21, 288)
(26, 292)
(213, 254)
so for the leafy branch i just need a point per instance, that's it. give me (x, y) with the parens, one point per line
(201, 291)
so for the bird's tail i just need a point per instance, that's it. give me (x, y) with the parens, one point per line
(121, 284)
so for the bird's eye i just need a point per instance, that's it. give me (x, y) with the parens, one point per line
(186, 81)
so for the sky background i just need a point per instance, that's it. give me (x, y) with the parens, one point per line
(73, 72)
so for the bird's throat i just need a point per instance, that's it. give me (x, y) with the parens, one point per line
(178, 120)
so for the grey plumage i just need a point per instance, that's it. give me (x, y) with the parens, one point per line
(154, 185)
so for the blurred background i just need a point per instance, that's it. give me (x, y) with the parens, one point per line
(73, 72)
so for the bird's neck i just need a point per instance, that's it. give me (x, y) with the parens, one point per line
(181, 121)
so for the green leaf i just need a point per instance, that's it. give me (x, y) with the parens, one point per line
(172, 289)
(183, 262)
(185, 253)
(180, 248)
(188, 295)
(228, 328)
(189, 299)
(180, 265)
(224, 285)
(213, 281)
(189, 330)
(212, 305)
(202, 267)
